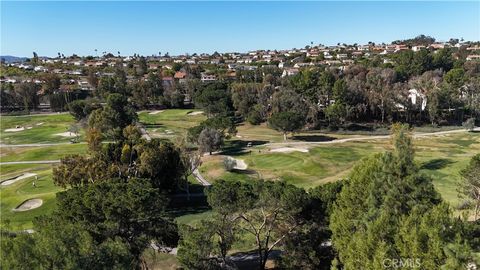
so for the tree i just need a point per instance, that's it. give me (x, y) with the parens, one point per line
(60, 245)
(286, 122)
(266, 210)
(387, 209)
(307, 248)
(210, 140)
(469, 186)
(244, 96)
(160, 161)
(214, 98)
(142, 66)
(469, 125)
(51, 83)
(28, 94)
(76, 109)
(205, 246)
(190, 159)
(76, 170)
(229, 163)
(380, 84)
(114, 117)
(132, 211)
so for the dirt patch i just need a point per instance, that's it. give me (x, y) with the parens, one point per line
(39, 124)
(289, 150)
(194, 113)
(29, 205)
(66, 134)
(15, 179)
(156, 112)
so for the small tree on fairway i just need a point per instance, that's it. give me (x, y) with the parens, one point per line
(210, 140)
(229, 163)
(469, 187)
(469, 125)
(286, 122)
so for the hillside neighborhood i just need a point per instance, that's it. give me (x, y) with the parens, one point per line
(74, 70)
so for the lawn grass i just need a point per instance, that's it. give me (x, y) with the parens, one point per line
(43, 128)
(16, 193)
(441, 157)
(40, 153)
(169, 123)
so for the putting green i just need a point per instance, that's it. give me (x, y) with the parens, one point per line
(13, 195)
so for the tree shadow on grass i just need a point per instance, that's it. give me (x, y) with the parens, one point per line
(238, 147)
(247, 172)
(153, 125)
(313, 138)
(436, 164)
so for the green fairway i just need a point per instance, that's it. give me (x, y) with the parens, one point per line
(442, 157)
(40, 153)
(169, 123)
(18, 192)
(35, 128)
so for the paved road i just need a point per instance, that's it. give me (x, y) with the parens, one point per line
(200, 178)
(38, 144)
(30, 162)
(145, 134)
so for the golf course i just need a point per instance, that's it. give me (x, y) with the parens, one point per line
(31, 146)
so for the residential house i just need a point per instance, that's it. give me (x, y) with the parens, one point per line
(208, 77)
(473, 57)
(289, 72)
(180, 76)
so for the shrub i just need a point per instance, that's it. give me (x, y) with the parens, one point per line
(469, 124)
(229, 163)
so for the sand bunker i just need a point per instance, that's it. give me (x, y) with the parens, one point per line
(289, 149)
(29, 205)
(15, 129)
(194, 113)
(39, 124)
(239, 164)
(66, 134)
(156, 112)
(17, 178)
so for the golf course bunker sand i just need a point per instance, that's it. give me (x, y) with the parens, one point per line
(15, 179)
(194, 113)
(239, 164)
(17, 129)
(156, 112)
(28, 205)
(66, 134)
(289, 149)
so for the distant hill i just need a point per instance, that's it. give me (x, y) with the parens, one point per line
(12, 59)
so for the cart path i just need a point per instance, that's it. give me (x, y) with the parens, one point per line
(366, 138)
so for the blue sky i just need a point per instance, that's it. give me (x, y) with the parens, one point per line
(179, 27)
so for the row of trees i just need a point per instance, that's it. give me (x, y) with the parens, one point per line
(362, 94)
